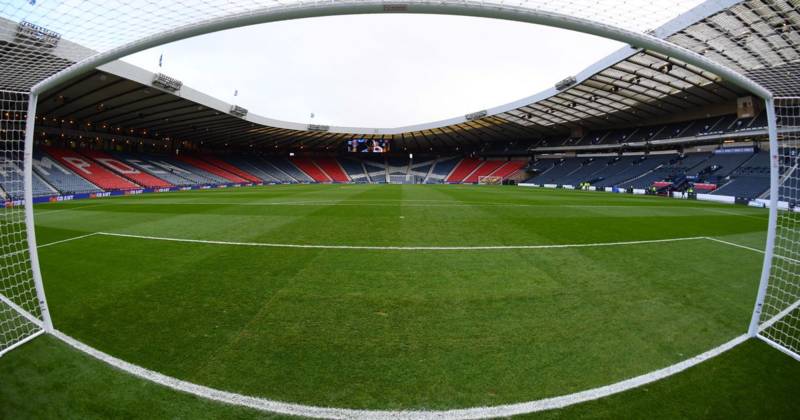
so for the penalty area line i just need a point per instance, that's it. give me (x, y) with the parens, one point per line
(67, 240)
(399, 248)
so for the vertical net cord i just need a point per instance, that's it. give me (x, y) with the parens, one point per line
(30, 128)
(774, 175)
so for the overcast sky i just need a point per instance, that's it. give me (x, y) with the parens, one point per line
(377, 70)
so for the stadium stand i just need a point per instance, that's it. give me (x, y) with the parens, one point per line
(126, 171)
(311, 169)
(190, 172)
(332, 169)
(442, 168)
(11, 182)
(255, 166)
(486, 168)
(750, 180)
(509, 168)
(61, 178)
(355, 170)
(144, 164)
(212, 169)
(225, 166)
(289, 169)
(463, 169)
(91, 170)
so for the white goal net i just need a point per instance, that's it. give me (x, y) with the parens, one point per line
(20, 313)
(779, 321)
(746, 43)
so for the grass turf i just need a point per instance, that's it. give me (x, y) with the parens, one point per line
(400, 329)
(48, 379)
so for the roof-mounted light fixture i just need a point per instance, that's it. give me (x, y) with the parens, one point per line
(165, 82)
(238, 111)
(569, 81)
(37, 35)
(475, 115)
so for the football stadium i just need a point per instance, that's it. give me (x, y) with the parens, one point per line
(622, 244)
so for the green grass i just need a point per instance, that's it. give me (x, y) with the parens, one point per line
(47, 379)
(400, 329)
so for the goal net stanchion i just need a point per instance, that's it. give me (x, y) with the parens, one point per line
(776, 317)
(490, 180)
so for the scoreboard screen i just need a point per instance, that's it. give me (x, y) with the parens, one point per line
(363, 145)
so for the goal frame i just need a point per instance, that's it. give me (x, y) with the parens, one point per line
(472, 8)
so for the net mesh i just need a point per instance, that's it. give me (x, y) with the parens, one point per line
(780, 316)
(19, 304)
(757, 38)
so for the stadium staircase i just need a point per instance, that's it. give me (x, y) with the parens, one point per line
(126, 171)
(91, 170)
(207, 167)
(225, 166)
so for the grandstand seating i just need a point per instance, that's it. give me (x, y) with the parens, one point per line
(463, 169)
(145, 164)
(225, 166)
(184, 170)
(289, 169)
(354, 168)
(91, 170)
(215, 170)
(126, 171)
(486, 168)
(332, 169)
(255, 166)
(509, 168)
(12, 179)
(61, 178)
(311, 169)
(750, 180)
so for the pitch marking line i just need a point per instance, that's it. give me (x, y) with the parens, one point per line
(399, 248)
(344, 413)
(67, 240)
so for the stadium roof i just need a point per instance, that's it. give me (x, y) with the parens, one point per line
(629, 87)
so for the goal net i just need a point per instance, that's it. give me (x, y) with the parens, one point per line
(20, 310)
(779, 320)
(490, 180)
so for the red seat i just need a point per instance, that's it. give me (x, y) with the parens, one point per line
(91, 170)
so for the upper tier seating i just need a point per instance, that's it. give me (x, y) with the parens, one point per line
(464, 168)
(127, 171)
(91, 170)
(64, 180)
(331, 168)
(220, 173)
(311, 169)
(225, 166)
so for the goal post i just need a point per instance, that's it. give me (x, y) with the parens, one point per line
(490, 180)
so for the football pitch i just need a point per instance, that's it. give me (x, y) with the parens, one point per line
(397, 297)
